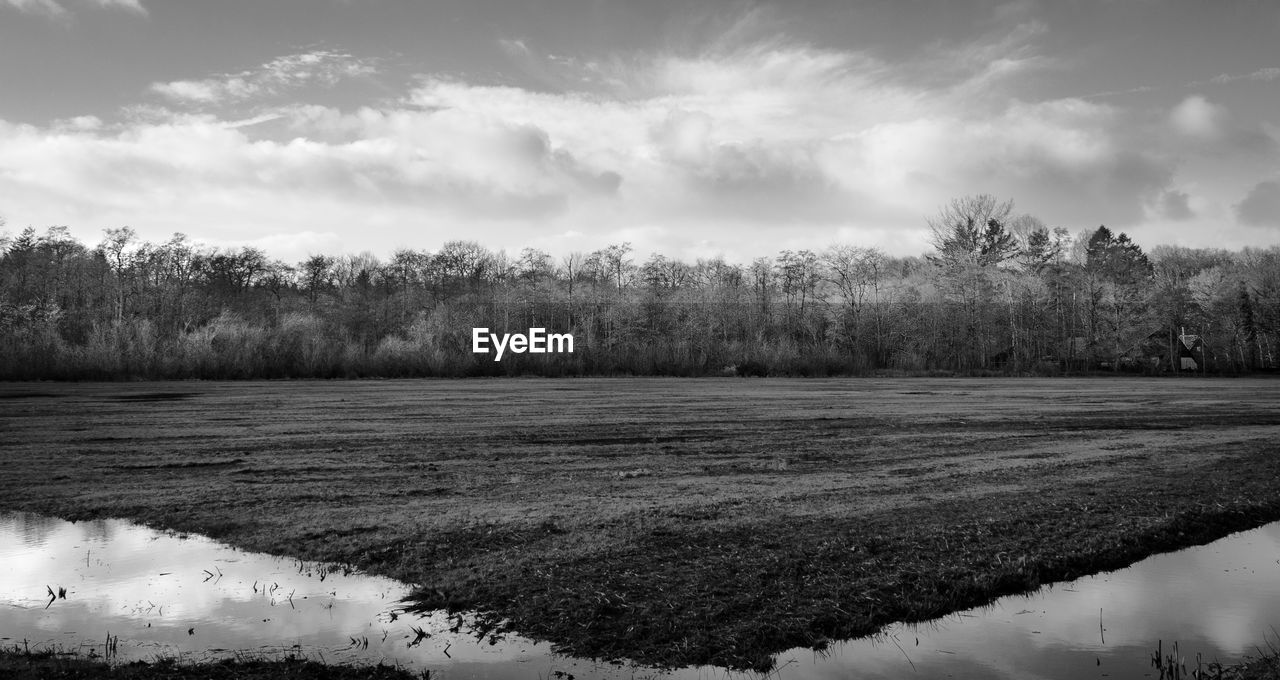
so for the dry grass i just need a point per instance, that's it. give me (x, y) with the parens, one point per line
(664, 520)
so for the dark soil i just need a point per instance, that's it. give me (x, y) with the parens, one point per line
(16, 665)
(669, 521)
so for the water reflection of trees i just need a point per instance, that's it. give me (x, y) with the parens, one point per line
(32, 530)
(35, 531)
(98, 530)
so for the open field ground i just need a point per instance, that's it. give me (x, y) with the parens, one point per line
(668, 521)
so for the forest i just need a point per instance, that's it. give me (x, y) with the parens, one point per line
(999, 293)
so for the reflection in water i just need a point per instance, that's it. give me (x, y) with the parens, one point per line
(166, 596)
(1220, 600)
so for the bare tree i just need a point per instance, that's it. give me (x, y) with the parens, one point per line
(973, 230)
(317, 274)
(534, 265)
(853, 271)
(113, 250)
(571, 269)
(615, 263)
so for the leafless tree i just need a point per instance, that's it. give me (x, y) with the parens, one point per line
(973, 230)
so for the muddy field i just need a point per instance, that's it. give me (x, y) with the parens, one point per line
(668, 521)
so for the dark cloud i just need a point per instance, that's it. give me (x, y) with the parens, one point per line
(1261, 207)
(1110, 190)
(532, 145)
(1173, 204)
(600, 183)
(740, 168)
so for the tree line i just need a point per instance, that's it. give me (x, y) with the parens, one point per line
(1000, 293)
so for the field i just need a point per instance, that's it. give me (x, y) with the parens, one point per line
(668, 521)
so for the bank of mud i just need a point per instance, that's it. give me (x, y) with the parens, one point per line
(17, 664)
(735, 598)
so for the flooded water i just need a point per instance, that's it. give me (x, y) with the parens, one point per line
(1220, 600)
(167, 596)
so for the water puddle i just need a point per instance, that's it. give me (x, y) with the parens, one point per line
(164, 596)
(161, 595)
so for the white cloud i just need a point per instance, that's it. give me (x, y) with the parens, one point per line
(1198, 118)
(515, 48)
(46, 7)
(736, 149)
(189, 90)
(1202, 128)
(1003, 53)
(53, 8)
(1262, 75)
(77, 124)
(131, 5)
(320, 68)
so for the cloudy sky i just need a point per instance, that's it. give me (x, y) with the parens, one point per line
(689, 128)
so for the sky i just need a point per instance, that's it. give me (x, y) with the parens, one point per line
(693, 129)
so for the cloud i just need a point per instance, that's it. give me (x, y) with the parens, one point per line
(1068, 160)
(1112, 93)
(131, 5)
(46, 7)
(1174, 205)
(441, 165)
(1196, 117)
(1004, 53)
(203, 91)
(1205, 129)
(78, 123)
(1261, 206)
(53, 8)
(739, 148)
(1262, 75)
(319, 67)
